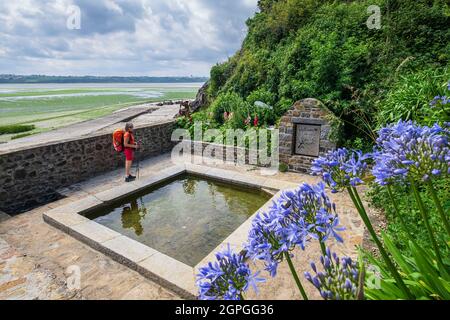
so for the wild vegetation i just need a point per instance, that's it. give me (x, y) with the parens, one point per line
(389, 87)
(323, 49)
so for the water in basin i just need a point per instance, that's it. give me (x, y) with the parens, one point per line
(185, 218)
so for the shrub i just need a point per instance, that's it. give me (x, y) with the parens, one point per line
(219, 75)
(283, 167)
(262, 95)
(232, 103)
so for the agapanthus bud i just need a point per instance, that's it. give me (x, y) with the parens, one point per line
(338, 281)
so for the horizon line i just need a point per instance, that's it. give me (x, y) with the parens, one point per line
(98, 76)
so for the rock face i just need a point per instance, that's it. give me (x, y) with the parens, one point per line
(201, 99)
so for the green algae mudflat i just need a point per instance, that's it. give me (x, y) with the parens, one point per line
(50, 106)
(185, 218)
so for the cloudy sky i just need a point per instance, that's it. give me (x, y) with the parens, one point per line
(120, 37)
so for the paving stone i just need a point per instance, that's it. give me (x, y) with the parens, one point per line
(160, 177)
(173, 273)
(67, 219)
(127, 250)
(83, 204)
(197, 169)
(221, 174)
(246, 180)
(212, 255)
(94, 232)
(279, 184)
(116, 193)
(171, 171)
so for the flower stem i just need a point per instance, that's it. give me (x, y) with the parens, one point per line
(362, 212)
(296, 278)
(425, 219)
(439, 206)
(323, 248)
(398, 214)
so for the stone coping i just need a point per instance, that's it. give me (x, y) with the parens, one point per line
(167, 271)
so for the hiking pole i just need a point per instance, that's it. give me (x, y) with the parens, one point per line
(138, 171)
(138, 160)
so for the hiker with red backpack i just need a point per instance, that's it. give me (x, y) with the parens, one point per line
(124, 140)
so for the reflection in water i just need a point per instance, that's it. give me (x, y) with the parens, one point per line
(187, 218)
(132, 216)
(189, 186)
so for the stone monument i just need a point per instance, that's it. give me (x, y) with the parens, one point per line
(305, 134)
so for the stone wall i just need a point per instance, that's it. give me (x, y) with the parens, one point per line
(306, 112)
(231, 154)
(32, 176)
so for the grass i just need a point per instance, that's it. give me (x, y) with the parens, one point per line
(16, 128)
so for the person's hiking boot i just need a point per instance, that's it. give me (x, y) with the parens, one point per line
(130, 178)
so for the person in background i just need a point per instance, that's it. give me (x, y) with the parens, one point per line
(130, 146)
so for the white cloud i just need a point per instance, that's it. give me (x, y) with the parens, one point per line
(121, 37)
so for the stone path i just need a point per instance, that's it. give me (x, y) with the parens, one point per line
(141, 114)
(34, 256)
(160, 114)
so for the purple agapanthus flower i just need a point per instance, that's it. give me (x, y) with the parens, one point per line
(294, 219)
(441, 100)
(406, 149)
(339, 279)
(227, 278)
(341, 168)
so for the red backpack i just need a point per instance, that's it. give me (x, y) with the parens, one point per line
(118, 140)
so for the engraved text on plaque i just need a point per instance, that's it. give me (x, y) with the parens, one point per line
(307, 140)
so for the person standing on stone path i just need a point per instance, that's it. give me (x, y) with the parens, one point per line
(130, 146)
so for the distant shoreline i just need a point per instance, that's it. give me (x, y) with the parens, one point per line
(39, 79)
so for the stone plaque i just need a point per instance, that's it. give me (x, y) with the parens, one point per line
(307, 139)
